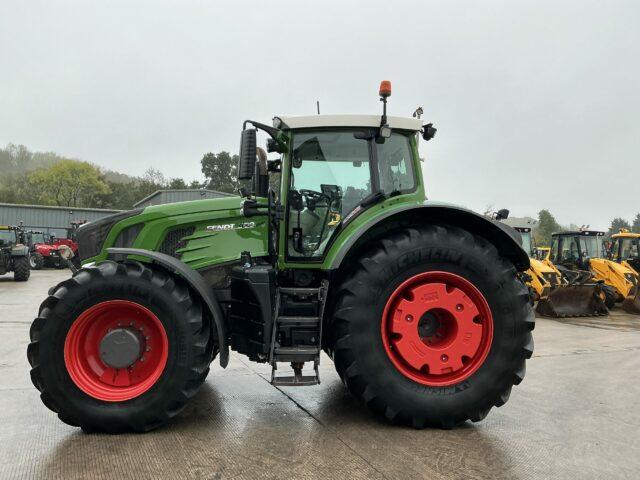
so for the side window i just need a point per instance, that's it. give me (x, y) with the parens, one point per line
(395, 166)
(570, 250)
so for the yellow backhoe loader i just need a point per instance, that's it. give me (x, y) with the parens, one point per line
(626, 249)
(581, 251)
(556, 296)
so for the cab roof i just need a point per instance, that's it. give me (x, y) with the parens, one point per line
(320, 121)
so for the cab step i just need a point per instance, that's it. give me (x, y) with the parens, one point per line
(297, 339)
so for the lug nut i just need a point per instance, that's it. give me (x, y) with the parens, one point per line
(444, 357)
(459, 307)
(409, 318)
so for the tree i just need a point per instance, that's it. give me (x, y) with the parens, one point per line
(547, 224)
(618, 223)
(177, 184)
(220, 171)
(636, 224)
(68, 183)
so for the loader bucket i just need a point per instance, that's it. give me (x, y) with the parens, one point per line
(631, 304)
(573, 301)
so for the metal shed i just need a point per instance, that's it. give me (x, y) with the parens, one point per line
(54, 220)
(171, 196)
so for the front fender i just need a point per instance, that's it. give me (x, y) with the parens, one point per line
(195, 280)
(503, 237)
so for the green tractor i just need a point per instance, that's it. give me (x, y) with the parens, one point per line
(14, 254)
(418, 303)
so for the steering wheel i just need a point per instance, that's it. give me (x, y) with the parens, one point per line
(313, 195)
(314, 198)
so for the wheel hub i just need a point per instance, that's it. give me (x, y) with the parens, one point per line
(437, 328)
(116, 350)
(121, 347)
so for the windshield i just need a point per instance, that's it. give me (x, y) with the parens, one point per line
(626, 248)
(591, 247)
(526, 243)
(37, 238)
(7, 237)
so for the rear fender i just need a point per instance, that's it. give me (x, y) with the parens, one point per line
(195, 281)
(503, 237)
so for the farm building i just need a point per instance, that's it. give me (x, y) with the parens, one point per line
(170, 196)
(53, 220)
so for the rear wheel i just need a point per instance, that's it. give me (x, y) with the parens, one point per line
(119, 347)
(432, 327)
(21, 269)
(36, 261)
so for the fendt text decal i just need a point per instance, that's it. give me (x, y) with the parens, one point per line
(231, 226)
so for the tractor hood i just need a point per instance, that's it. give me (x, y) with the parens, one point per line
(195, 206)
(201, 233)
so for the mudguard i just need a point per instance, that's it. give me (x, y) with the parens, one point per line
(505, 238)
(195, 280)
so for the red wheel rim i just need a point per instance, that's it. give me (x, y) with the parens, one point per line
(437, 328)
(82, 351)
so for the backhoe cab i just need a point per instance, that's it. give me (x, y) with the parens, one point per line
(626, 249)
(330, 247)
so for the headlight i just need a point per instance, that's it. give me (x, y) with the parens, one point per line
(91, 236)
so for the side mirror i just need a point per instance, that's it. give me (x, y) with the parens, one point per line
(502, 214)
(248, 152)
(428, 132)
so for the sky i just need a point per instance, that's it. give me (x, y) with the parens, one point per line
(536, 103)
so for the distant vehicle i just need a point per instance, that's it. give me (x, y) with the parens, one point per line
(14, 254)
(43, 252)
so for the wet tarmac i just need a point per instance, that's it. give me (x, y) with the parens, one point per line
(576, 415)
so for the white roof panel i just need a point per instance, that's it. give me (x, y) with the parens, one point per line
(319, 121)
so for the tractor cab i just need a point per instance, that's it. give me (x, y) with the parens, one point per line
(8, 236)
(333, 168)
(574, 249)
(528, 244)
(626, 248)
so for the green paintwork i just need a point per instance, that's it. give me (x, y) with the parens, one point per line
(205, 247)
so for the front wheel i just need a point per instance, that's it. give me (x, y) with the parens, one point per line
(36, 261)
(119, 347)
(21, 269)
(610, 296)
(432, 327)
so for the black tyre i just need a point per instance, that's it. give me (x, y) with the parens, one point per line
(21, 269)
(403, 315)
(36, 261)
(610, 296)
(75, 261)
(129, 390)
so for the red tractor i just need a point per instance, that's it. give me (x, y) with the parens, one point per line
(45, 248)
(44, 252)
